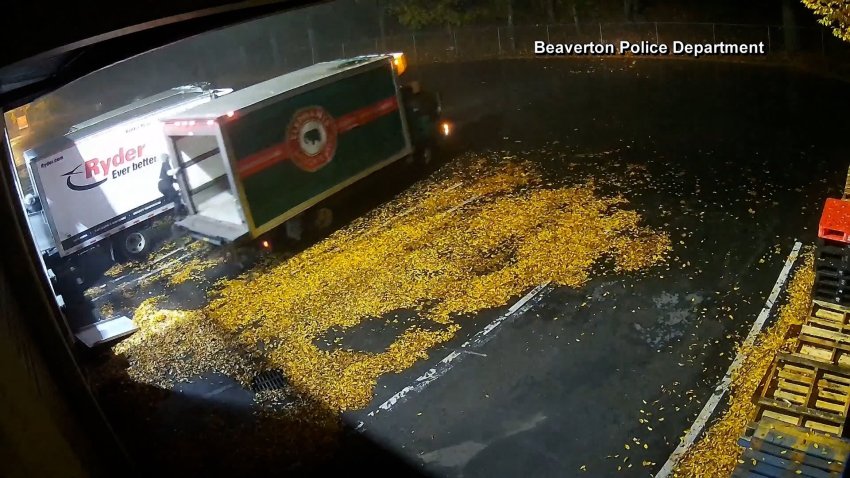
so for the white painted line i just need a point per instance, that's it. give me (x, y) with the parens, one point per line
(473, 198)
(443, 366)
(413, 208)
(723, 386)
(171, 253)
(218, 390)
(162, 267)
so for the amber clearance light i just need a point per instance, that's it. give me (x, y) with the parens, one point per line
(399, 62)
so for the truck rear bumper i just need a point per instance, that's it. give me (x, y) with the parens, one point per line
(212, 230)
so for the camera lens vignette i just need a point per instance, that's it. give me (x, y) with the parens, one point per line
(427, 238)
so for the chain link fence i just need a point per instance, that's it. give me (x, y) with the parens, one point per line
(473, 43)
(271, 54)
(264, 53)
(252, 54)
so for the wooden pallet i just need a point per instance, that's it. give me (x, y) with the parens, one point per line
(825, 336)
(792, 332)
(830, 305)
(773, 448)
(807, 393)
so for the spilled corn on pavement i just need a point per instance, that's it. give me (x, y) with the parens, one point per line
(478, 234)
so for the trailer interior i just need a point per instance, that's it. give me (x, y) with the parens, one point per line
(213, 205)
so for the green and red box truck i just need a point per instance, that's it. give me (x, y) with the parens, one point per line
(250, 161)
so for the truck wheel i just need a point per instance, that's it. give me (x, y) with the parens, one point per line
(323, 218)
(132, 245)
(425, 155)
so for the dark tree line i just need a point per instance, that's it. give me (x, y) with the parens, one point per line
(418, 14)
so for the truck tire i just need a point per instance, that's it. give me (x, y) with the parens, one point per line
(425, 155)
(132, 245)
(322, 218)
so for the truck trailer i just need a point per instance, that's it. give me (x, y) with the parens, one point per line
(258, 158)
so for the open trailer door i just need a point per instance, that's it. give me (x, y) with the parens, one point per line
(207, 184)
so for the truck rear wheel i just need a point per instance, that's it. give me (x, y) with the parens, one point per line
(132, 245)
(425, 155)
(322, 218)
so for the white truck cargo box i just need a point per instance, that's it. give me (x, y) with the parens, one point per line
(103, 176)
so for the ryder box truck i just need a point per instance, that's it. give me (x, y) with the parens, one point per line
(100, 185)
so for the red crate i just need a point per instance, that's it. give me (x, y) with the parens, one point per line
(835, 221)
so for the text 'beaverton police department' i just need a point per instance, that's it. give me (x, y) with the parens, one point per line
(646, 48)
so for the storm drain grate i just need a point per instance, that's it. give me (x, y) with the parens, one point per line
(268, 380)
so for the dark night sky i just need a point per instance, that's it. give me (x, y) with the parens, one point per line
(527, 12)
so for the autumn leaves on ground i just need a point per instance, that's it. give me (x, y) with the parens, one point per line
(476, 236)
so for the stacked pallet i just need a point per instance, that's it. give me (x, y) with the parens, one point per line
(832, 269)
(825, 333)
(825, 336)
(774, 449)
(810, 387)
(804, 400)
(807, 393)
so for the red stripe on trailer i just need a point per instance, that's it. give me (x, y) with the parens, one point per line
(835, 221)
(366, 114)
(280, 152)
(263, 159)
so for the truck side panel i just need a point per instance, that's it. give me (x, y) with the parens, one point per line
(289, 152)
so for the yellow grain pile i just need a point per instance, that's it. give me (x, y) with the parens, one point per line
(475, 238)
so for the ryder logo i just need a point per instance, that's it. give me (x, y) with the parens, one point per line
(80, 187)
(311, 138)
(96, 171)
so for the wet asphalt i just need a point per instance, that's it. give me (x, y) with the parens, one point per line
(734, 162)
(740, 158)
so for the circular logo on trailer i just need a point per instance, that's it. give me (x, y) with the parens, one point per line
(311, 137)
